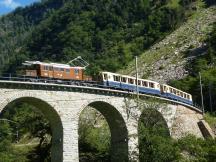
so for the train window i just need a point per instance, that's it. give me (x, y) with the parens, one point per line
(61, 69)
(105, 77)
(123, 79)
(177, 93)
(67, 70)
(184, 95)
(50, 68)
(151, 84)
(76, 71)
(188, 96)
(145, 84)
(139, 82)
(116, 78)
(56, 69)
(174, 91)
(46, 67)
(181, 94)
(131, 81)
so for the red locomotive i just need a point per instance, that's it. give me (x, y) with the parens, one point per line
(54, 71)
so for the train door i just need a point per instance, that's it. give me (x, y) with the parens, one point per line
(105, 79)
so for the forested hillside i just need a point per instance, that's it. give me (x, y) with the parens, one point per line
(180, 56)
(108, 34)
(16, 27)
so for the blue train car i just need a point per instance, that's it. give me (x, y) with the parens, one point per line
(128, 83)
(176, 94)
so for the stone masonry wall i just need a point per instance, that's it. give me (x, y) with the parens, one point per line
(186, 122)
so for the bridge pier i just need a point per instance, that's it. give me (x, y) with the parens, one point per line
(70, 141)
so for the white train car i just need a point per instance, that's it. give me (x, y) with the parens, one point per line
(176, 94)
(128, 83)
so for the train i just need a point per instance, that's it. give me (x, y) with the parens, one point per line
(144, 86)
(70, 75)
(54, 71)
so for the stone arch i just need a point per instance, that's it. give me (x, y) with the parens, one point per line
(118, 129)
(159, 120)
(53, 118)
(153, 123)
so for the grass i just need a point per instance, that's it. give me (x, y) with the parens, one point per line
(173, 4)
(211, 120)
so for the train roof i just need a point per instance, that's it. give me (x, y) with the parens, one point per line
(29, 63)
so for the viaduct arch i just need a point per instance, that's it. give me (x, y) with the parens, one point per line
(51, 115)
(62, 105)
(118, 129)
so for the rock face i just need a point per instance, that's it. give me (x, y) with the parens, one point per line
(186, 122)
(166, 60)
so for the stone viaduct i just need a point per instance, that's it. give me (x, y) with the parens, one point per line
(63, 104)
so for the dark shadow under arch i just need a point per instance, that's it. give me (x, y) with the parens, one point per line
(54, 120)
(118, 130)
(151, 125)
(153, 118)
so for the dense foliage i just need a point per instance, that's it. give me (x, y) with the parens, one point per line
(16, 27)
(107, 33)
(19, 124)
